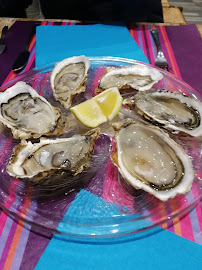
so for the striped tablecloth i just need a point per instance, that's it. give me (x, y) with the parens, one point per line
(20, 247)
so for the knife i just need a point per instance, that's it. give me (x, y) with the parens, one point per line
(22, 58)
(2, 42)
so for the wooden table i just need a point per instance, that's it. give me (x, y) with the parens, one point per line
(11, 21)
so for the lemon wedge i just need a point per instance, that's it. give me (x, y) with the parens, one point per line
(89, 113)
(99, 109)
(110, 102)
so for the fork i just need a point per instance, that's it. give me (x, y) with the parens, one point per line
(160, 60)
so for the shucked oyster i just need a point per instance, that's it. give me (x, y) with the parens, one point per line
(173, 111)
(27, 113)
(136, 77)
(149, 159)
(47, 156)
(68, 79)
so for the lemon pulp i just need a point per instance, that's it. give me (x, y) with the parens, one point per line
(99, 109)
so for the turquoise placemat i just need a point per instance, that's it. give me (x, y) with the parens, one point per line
(156, 249)
(54, 43)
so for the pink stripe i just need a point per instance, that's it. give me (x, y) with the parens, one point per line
(199, 215)
(63, 23)
(134, 33)
(186, 227)
(150, 46)
(143, 41)
(195, 189)
(8, 77)
(4, 215)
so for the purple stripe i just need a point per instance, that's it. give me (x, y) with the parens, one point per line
(168, 211)
(2, 146)
(146, 43)
(187, 49)
(38, 243)
(22, 241)
(139, 37)
(8, 244)
(32, 65)
(194, 220)
(22, 244)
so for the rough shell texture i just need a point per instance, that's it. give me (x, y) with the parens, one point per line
(68, 79)
(28, 114)
(44, 158)
(136, 77)
(173, 111)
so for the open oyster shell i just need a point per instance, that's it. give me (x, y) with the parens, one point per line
(136, 77)
(173, 111)
(44, 158)
(68, 79)
(149, 159)
(28, 114)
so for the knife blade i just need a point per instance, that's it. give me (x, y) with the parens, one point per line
(23, 56)
(2, 42)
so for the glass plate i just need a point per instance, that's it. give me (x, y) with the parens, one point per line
(97, 203)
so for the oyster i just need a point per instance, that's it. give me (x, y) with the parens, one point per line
(68, 79)
(44, 158)
(173, 111)
(27, 113)
(138, 77)
(149, 159)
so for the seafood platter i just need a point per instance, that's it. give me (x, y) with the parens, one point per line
(136, 168)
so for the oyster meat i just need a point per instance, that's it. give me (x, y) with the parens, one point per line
(44, 158)
(173, 111)
(28, 114)
(149, 159)
(68, 79)
(138, 77)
